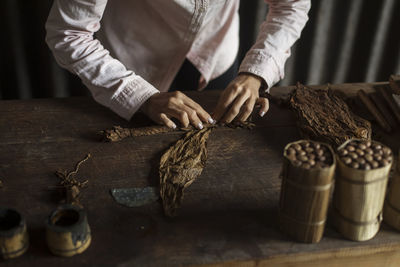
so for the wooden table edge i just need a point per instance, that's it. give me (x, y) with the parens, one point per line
(369, 256)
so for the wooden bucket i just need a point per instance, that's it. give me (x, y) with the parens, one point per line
(358, 199)
(67, 231)
(305, 197)
(391, 210)
(14, 239)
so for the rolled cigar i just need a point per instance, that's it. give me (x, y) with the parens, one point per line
(394, 82)
(374, 111)
(390, 101)
(382, 107)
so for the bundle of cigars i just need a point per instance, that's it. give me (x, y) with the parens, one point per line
(358, 168)
(384, 103)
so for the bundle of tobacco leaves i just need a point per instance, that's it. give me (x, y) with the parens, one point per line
(324, 116)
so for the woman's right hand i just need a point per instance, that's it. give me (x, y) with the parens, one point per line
(161, 107)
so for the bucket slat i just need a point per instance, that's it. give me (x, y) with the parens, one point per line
(391, 212)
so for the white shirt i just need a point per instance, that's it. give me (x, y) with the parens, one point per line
(140, 45)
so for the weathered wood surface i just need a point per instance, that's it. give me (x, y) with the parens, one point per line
(228, 215)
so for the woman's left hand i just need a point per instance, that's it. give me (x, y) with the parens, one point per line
(237, 101)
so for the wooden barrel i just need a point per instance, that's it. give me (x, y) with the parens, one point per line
(14, 239)
(391, 210)
(358, 199)
(305, 197)
(68, 231)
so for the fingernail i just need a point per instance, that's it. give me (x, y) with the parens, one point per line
(173, 126)
(200, 125)
(210, 120)
(262, 113)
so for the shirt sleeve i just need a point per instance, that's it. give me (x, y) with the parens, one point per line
(282, 27)
(70, 35)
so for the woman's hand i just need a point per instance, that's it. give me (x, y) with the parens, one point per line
(162, 107)
(237, 101)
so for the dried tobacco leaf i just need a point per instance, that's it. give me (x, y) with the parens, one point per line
(180, 165)
(322, 115)
(117, 133)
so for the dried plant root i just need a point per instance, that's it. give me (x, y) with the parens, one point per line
(71, 185)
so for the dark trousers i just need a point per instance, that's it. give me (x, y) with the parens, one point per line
(188, 78)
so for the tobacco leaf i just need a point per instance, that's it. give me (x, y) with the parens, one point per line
(180, 166)
(117, 133)
(324, 116)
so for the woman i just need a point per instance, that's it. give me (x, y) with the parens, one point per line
(143, 44)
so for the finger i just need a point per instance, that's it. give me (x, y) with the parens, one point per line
(193, 117)
(166, 121)
(235, 108)
(247, 109)
(264, 103)
(201, 113)
(225, 100)
(180, 115)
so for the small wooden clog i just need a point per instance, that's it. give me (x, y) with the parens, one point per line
(68, 231)
(14, 239)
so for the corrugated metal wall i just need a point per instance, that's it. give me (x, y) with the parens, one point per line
(344, 41)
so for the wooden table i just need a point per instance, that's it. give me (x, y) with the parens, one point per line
(228, 217)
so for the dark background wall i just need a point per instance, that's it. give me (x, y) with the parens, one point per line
(344, 41)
